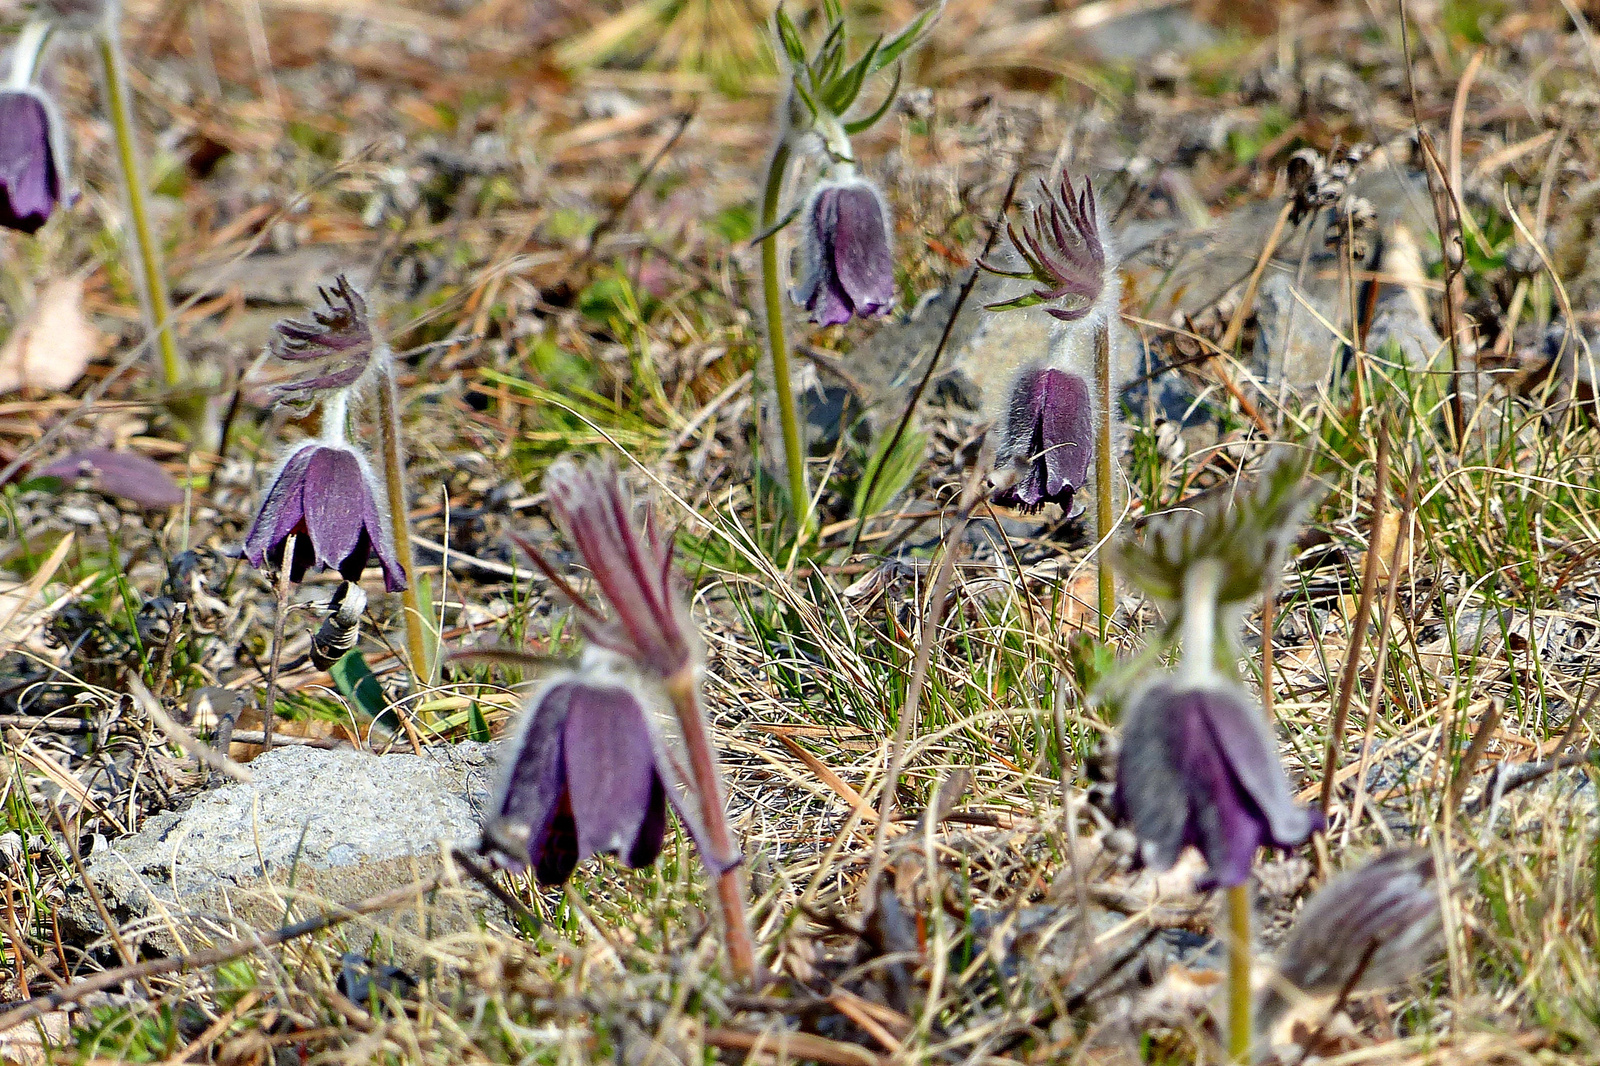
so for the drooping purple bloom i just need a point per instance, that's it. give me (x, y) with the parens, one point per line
(1198, 767)
(327, 495)
(32, 159)
(1370, 927)
(650, 623)
(125, 475)
(1048, 440)
(586, 774)
(849, 267)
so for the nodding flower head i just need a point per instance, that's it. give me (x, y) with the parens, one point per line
(1370, 927)
(339, 334)
(1048, 440)
(849, 265)
(1066, 255)
(649, 623)
(326, 495)
(33, 159)
(587, 773)
(1198, 767)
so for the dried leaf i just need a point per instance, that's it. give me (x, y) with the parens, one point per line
(50, 349)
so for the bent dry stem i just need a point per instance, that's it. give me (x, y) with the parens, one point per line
(119, 104)
(685, 695)
(778, 343)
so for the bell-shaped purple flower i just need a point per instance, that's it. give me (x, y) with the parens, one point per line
(327, 496)
(1048, 440)
(849, 267)
(587, 774)
(1198, 767)
(32, 159)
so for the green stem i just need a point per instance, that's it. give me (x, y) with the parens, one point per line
(158, 305)
(778, 343)
(394, 484)
(1239, 973)
(1104, 503)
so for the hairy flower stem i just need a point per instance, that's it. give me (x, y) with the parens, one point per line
(119, 103)
(685, 695)
(1239, 973)
(778, 343)
(394, 486)
(1103, 503)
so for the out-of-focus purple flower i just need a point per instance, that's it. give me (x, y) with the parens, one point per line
(325, 494)
(339, 334)
(650, 623)
(587, 774)
(1370, 927)
(1198, 767)
(1064, 251)
(849, 267)
(125, 475)
(1048, 440)
(32, 159)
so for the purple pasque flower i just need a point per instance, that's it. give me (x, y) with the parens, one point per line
(1064, 251)
(587, 773)
(1198, 767)
(849, 265)
(125, 475)
(649, 623)
(340, 335)
(325, 494)
(1048, 440)
(33, 164)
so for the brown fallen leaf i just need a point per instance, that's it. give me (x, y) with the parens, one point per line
(49, 350)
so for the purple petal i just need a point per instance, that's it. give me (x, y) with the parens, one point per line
(281, 511)
(610, 768)
(30, 178)
(1240, 731)
(379, 538)
(1149, 790)
(532, 782)
(125, 475)
(862, 260)
(335, 495)
(1066, 428)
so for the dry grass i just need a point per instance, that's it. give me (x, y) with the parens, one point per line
(446, 155)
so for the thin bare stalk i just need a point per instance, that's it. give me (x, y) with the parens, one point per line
(778, 343)
(158, 305)
(1239, 1034)
(269, 712)
(685, 693)
(394, 485)
(1104, 509)
(1358, 625)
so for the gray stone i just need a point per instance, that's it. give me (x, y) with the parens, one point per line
(288, 279)
(1293, 346)
(313, 826)
(1401, 331)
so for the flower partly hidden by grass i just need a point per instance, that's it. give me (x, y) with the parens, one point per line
(1048, 440)
(1051, 426)
(324, 492)
(33, 155)
(1198, 767)
(604, 748)
(1198, 764)
(1371, 927)
(849, 259)
(327, 496)
(588, 774)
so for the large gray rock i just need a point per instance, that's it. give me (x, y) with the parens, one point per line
(313, 826)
